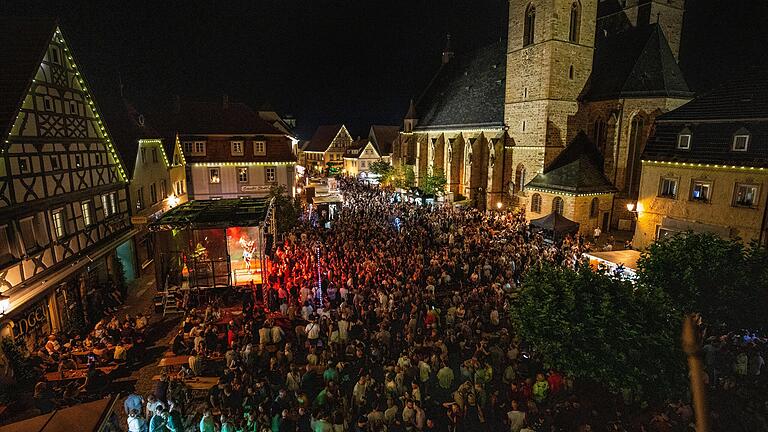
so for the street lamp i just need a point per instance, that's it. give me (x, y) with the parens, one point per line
(499, 205)
(631, 207)
(173, 201)
(5, 304)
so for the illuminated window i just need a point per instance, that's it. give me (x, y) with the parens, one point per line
(140, 199)
(236, 147)
(78, 161)
(536, 203)
(86, 208)
(740, 142)
(270, 174)
(557, 205)
(684, 140)
(259, 148)
(58, 223)
(668, 187)
(701, 190)
(242, 174)
(213, 176)
(745, 195)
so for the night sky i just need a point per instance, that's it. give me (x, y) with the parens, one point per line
(356, 62)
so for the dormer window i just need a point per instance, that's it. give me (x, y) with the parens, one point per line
(740, 140)
(684, 140)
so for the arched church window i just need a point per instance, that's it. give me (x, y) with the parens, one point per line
(573, 32)
(536, 203)
(557, 205)
(598, 134)
(520, 177)
(530, 24)
(636, 135)
(594, 207)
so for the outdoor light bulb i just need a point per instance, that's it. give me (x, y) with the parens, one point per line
(498, 205)
(298, 189)
(173, 200)
(5, 304)
(630, 207)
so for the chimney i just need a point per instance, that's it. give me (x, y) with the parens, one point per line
(176, 104)
(447, 51)
(225, 102)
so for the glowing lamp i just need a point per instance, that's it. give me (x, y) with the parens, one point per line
(498, 205)
(630, 207)
(173, 201)
(298, 190)
(5, 304)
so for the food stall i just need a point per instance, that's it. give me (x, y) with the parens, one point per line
(622, 262)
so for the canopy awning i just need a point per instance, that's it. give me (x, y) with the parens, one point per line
(206, 214)
(556, 223)
(626, 258)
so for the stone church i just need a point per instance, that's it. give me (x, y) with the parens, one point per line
(588, 74)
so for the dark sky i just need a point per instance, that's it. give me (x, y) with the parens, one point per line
(356, 62)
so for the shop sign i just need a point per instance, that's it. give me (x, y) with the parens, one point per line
(255, 188)
(36, 316)
(138, 220)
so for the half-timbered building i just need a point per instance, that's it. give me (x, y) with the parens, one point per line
(64, 210)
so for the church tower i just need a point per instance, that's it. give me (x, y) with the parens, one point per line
(549, 59)
(638, 13)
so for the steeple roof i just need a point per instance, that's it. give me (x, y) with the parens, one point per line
(578, 169)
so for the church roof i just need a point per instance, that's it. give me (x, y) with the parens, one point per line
(23, 44)
(636, 62)
(578, 169)
(383, 137)
(323, 138)
(467, 91)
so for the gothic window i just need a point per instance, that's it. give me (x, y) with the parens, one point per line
(594, 207)
(633, 157)
(557, 205)
(530, 24)
(520, 177)
(536, 203)
(598, 134)
(573, 32)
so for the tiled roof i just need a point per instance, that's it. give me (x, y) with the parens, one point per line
(468, 91)
(745, 97)
(635, 63)
(383, 137)
(323, 138)
(23, 43)
(577, 169)
(209, 118)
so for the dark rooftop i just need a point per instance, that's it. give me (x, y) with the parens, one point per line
(224, 213)
(210, 118)
(578, 169)
(468, 91)
(323, 138)
(23, 44)
(383, 136)
(635, 63)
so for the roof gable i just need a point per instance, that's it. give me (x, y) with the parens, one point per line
(324, 136)
(383, 137)
(578, 169)
(637, 62)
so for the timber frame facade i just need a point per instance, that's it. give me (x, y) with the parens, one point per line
(64, 204)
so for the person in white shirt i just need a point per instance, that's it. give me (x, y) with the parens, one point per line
(137, 423)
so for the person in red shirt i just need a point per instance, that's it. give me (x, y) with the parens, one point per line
(555, 381)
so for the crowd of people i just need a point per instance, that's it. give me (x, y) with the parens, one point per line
(394, 318)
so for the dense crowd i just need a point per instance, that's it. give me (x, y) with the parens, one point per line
(393, 319)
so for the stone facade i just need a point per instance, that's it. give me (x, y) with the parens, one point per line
(590, 210)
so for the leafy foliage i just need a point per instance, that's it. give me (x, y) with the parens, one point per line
(404, 177)
(13, 351)
(434, 183)
(384, 170)
(287, 209)
(601, 329)
(702, 273)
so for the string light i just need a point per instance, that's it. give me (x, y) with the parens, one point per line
(700, 165)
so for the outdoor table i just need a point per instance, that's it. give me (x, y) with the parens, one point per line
(76, 374)
(201, 383)
(174, 361)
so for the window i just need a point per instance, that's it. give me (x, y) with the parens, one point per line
(163, 189)
(598, 134)
(573, 32)
(7, 252)
(55, 55)
(154, 155)
(33, 233)
(73, 107)
(213, 176)
(684, 141)
(536, 203)
(140, 199)
(530, 24)
(668, 188)
(105, 204)
(78, 161)
(636, 143)
(187, 145)
(745, 195)
(199, 147)
(23, 165)
(55, 162)
(701, 190)
(242, 174)
(58, 223)
(86, 208)
(557, 205)
(594, 208)
(113, 202)
(570, 72)
(237, 148)
(259, 148)
(362, 164)
(176, 159)
(269, 174)
(740, 142)
(98, 158)
(179, 192)
(522, 126)
(48, 103)
(153, 193)
(109, 203)
(215, 198)
(520, 177)
(143, 155)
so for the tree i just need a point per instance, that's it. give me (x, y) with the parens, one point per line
(702, 273)
(287, 209)
(434, 183)
(384, 170)
(601, 329)
(404, 177)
